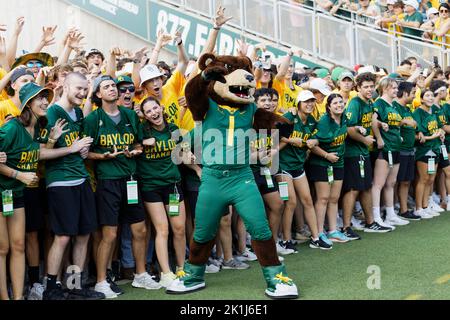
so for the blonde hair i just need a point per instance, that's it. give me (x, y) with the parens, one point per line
(384, 84)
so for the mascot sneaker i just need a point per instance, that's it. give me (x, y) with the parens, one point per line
(189, 280)
(279, 285)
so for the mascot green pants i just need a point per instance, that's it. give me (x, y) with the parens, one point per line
(225, 182)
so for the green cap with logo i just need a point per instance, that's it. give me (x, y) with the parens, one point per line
(123, 79)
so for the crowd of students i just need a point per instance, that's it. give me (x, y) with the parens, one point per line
(92, 175)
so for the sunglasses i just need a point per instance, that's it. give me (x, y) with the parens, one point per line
(34, 64)
(443, 11)
(125, 89)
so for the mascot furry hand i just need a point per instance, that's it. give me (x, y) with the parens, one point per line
(221, 96)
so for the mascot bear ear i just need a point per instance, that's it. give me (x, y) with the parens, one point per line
(205, 60)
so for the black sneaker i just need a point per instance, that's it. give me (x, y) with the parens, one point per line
(85, 294)
(57, 293)
(349, 233)
(114, 287)
(409, 215)
(291, 245)
(319, 244)
(376, 228)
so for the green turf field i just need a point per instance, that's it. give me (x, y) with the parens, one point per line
(413, 260)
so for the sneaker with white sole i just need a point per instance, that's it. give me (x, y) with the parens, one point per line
(247, 255)
(423, 214)
(189, 280)
(279, 285)
(166, 279)
(282, 249)
(396, 221)
(384, 224)
(235, 264)
(36, 292)
(374, 227)
(105, 288)
(357, 224)
(435, 206)
(145, 281)
(211, 268)
(431, 212)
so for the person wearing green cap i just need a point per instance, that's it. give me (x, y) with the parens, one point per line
(126, 89)
(345, 84)
(117, 141)
(21, 140)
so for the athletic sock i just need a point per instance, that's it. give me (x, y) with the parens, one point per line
(51, 281)
(33, 274)
(390, 213)
(376, 213)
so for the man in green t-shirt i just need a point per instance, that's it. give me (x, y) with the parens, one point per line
(357, 165)
(71, 202)
(412, 20)
(117, 135)
(405, 96)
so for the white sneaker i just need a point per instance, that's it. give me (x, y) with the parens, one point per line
(167, 278)
(384, 224)
(356, 224)
(105, 288)
(281, 258)
(423, 214)
(145, 281)
(36, 292)
(396, 221)
(211, 268)
(283, 251)
(435, 207)
(432, 212)
(247, 255)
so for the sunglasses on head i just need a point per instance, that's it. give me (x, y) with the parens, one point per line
(31, 64)
(125, 89)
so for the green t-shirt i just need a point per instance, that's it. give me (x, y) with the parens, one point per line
(331, 138)
(407, 133)
(427, 123)
(155, 167)
(226, 136)
(387, 113)
(70, 167)
(107, 134)
(291, 157)
(359, 113)
(262, 142)
(22, 153)
(446, 112)
(415, 17)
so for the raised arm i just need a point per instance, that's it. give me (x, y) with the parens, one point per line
(47, 38)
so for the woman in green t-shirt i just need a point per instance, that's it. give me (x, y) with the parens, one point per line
(20, 140)
(386, 123)
(326, 168)
(293, 153)
(429, 137)
(160, 185)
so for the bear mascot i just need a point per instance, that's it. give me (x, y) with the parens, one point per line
(221, 98)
